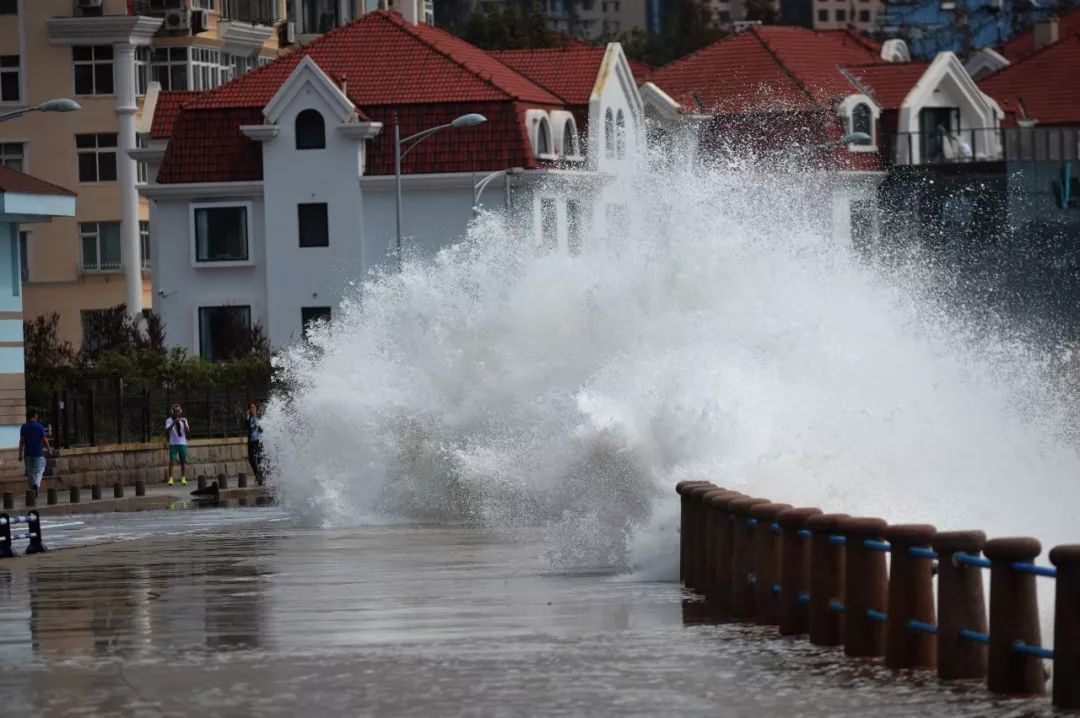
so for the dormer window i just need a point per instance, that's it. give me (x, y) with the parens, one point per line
(569, 140)
(543, 139)
(862, 120)
(310, 131)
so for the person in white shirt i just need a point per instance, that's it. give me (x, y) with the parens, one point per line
(176, 432)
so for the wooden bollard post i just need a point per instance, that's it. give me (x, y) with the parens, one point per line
(140, 487)
(686, 521)
(867, 589)
(1014, 616)
(767, 547)
(31, 498)
(708, 539)
(223, 481)
(9, 500)
(961, 606)
(241, 481)
(696, 558)
(724, 550)
(201, 481)
(826, 580)
(1067, 626)
(51, 497)
(718, 556)
(742, 556)
(95, 492)
(74, 495)
(794, 570)
(118, 490)
(911, 598)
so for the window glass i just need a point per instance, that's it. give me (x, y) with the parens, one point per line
(100, 246)
(223, 331)
(568, 143)
(620, 135)
(314, 225)
(12, 155)
(221, 234)
(24, 255)
(310, 315)
(864, 16)
(97, 157)
(543, 138)
(549, 223)
(144, 243)
(9, 7)
(841, 15)
(93, 70)
(310, 131)
(609, 134)
(9, 78)
(862, 120)
(823, 15)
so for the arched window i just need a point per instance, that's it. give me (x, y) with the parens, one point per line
(569, 140)
(620, 135)
(543, 138)
(862, 120)
(609, 134)
(310, 131)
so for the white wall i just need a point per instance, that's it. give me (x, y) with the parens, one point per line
(180, 288)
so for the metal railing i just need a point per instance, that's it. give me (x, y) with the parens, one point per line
(257, 12)
(984, 144)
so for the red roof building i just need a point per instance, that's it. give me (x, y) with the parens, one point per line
(424, 76)
(1027, 44)
(1044, 86)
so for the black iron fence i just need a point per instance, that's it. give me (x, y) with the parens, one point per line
(983, 144)
(106, 411)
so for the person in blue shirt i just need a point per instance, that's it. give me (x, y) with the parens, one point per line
(255, 433)
(32, 447)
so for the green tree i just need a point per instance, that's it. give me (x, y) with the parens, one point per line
(688, 27)
(764, 11)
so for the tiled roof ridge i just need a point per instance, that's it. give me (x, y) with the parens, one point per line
(776, 58)
(1038, 53)
(29, 184)
(414, 30)
(860, 39)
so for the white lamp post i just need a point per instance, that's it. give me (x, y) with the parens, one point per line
(59, 105)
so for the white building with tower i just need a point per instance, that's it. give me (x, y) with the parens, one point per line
(273, 195)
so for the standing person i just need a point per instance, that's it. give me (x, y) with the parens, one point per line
(255, 433)
(177, 431)
(32, 447)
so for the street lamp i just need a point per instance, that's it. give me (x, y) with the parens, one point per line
(59, 105)
(480, 186)
(464, 121)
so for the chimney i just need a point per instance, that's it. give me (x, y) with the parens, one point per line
(1045, 32)
(410, 11)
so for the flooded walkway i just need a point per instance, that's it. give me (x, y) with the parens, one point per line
(262, 619)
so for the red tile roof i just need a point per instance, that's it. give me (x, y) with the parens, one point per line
(387, 64)
(1023, 45)
(1042, 86)
(569, 73)
(16, 182)
(767, 68)
(888, 83)
(166, 111)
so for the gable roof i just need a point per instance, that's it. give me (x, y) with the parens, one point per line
(1023, 45)
(382, 65)
(16, 182)
(888, 83)
(569, 73)
(1042, 85)
(767, 68)
(167, 109)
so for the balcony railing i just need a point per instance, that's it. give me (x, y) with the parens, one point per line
(988, 144)
(256, 12)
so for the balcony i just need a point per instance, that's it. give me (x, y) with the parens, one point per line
(256, 12)
(988, 144)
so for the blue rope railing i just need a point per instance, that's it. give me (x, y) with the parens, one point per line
(876, 615)
(803, 598)
(977, 636)
(1029, 650)
(836, 607)
(777, 588)
(751, 523)
(877, 545)
(1021, 567)
(966, 559)
(920, 552)
(837, 539)
(921, 626)
(804, 533)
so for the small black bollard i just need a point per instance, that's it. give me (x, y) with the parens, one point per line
(241, 481)
(31, 498)
(50, 497)
(201, 481)
(222, 481)
(118, 490)
(33, 524)
(140, 488)
(9, 500)
(95, 492)
(74, 495)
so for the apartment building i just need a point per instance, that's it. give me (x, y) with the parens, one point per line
(112, 57)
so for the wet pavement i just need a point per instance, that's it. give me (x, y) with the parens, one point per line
(255, 617)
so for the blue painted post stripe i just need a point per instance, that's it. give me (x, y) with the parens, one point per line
(920, 552)
(804, 533)
(836, 607)
(775, 527)
(16, 519)
(751, 578)
(877, 545)
(876, 615)
(1037, 570)
(803, 598)
(837, 539)
(751, 523)
(969, 635)
(967, 559)
(776, 588)
(1037, 651)
(920, 626)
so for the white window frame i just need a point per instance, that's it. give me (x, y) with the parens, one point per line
(83, 269)
(144, 244)
(23, 155)
(251, 305)
(204, 61)
(17, 71)
(97, 150)
(142, 70)
(193, 240)
(847, 115)
(168, 64)
(93, 63)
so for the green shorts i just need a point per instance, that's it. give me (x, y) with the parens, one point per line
(178, 452)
